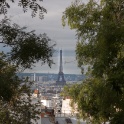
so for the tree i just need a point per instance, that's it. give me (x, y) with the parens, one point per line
(26, 48)
(100, 45)
(96, 102)
(16, 105)
(34, 5)
(8, 79)
(35, 47)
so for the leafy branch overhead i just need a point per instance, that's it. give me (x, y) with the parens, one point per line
(27, 48)
(33, 5)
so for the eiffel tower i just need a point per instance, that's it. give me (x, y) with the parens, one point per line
(60, 79)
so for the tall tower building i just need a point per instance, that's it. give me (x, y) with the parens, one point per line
(60, 79)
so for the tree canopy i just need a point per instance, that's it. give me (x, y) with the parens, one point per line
(100, 32)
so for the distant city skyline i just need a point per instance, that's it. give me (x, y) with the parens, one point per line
(40, 77)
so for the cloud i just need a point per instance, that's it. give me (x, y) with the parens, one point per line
(52, 26)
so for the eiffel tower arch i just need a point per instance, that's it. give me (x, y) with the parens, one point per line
(60, 79)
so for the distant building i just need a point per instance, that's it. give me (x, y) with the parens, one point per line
(47, 102)
(47, 112)
(36, 93)
(66, 107)
(44, 78)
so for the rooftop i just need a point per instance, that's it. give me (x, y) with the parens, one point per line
(61, 120)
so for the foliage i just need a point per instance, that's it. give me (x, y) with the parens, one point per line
(27, 48)
(19, 111)
(34, 5)
(16, 105)
(97, 103)
(7, 74)
(100, 31)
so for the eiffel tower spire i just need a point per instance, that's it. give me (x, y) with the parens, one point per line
(60, 79)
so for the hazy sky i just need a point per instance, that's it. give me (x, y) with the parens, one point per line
(52, 26)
